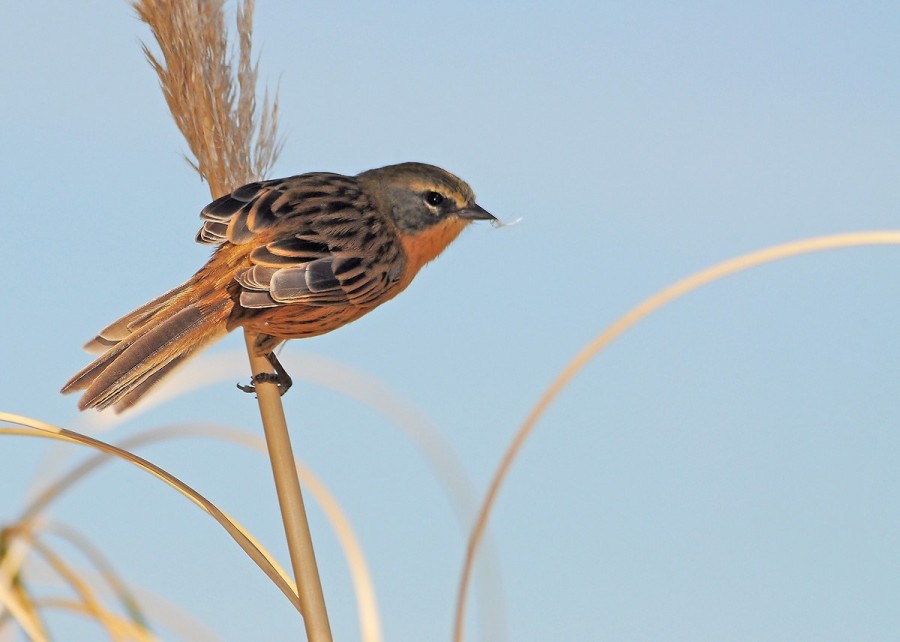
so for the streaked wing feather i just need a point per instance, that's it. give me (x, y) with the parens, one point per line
(213, 233)
(320, 276)
(300, 247)
(266, 257)
(320, 257)
(264, 204)
(238, 232)
(256, 299)
(256, 278)
(289, 284)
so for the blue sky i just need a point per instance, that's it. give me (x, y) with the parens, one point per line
(726, 470)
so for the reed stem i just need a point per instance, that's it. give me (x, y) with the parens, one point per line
(290, 500)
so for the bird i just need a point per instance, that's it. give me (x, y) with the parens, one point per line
(295, 257)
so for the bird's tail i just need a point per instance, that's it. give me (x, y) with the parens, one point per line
(145, 345)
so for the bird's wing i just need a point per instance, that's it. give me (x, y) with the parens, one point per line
(319, 242)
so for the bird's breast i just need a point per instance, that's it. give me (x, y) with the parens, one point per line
(425, 246)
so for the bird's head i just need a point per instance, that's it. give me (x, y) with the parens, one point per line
(419, 197)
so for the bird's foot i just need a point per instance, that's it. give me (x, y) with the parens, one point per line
(280, 377)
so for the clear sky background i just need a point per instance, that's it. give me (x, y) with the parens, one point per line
(727, 470)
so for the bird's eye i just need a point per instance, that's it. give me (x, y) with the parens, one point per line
(434, 199)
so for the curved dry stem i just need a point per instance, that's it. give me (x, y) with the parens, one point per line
(367, 605)
(412, 422)
(647, 307)
(246, 541)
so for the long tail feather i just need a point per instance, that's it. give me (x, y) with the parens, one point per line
(133, 321)
(147, 344)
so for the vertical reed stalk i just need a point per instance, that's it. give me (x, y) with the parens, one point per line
(213, 103)
(290, 499)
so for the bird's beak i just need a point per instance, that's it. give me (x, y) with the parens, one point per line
(475, 212)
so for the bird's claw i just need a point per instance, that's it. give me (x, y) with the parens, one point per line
(280, 377)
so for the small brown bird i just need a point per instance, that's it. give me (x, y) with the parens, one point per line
(296, 257)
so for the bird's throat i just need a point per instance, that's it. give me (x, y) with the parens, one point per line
(425, 246)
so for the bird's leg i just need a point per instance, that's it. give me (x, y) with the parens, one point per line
(280, 377)
(284, 379)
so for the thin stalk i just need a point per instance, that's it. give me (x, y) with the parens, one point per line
(645, 308)
(290, 499)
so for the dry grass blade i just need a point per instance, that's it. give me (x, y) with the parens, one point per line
(14, 598)
(213, 106)
(44, 576)
(117, 628)
(256, 552)
(106, 571)
(647, 307)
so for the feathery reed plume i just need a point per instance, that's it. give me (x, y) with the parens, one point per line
(213, 106)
